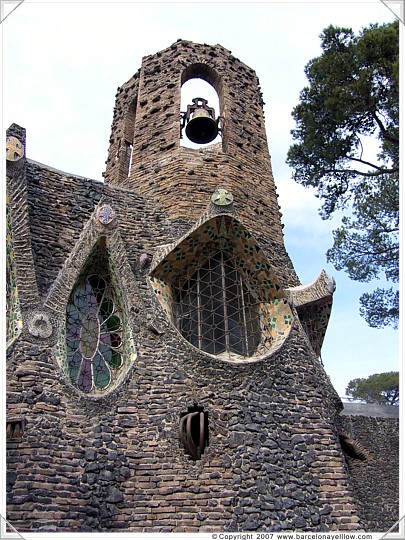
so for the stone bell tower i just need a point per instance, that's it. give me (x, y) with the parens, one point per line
(146, 120)
(165, 349)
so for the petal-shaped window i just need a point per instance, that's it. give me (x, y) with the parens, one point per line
(220, 292)
(96, 335)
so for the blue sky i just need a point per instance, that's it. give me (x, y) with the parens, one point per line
(63, 62)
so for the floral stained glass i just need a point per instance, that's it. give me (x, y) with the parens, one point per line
(94, 331)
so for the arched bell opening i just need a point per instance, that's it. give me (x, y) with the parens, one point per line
(221, 293)
(201, 106)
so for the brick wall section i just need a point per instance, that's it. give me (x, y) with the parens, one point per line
(22, 239)
(375, 480)
(182, 179)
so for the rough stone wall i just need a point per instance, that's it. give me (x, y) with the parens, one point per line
(97, 463)
(375, 477)
(182, 179)
(115, 462)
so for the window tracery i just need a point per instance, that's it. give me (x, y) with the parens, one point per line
(96, 337)
(215, 310)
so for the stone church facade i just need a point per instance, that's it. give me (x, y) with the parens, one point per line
(163, 358)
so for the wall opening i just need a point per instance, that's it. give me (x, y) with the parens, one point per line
(353, 450)
(193, 431)
(198, 88)
(128, 141)
(14, 429)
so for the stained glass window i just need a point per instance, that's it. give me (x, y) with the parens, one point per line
(13, 312)
(216, 311)
(95, 332)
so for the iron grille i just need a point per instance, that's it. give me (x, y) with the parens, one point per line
(215, 310)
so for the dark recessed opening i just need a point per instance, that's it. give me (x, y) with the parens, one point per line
(14, 430)
(193, 431)
(352, 449)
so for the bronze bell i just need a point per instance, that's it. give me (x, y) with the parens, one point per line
(201, 128)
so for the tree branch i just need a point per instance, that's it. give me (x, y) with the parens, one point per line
(362, 173)
(384, 131)
(359, 160)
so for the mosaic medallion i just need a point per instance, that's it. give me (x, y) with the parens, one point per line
(105, 214)
(40, 325)
(222, 197)
(14, 149)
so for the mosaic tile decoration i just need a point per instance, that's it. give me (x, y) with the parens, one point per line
(105, 214)
(14, 149)
(13, 312)
(95, 345)
(223, 234)
(314, 320)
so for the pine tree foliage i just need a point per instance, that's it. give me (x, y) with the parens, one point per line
(382, 388)
(353, 94)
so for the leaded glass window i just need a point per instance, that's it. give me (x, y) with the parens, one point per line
(97, 338)
(216, 311)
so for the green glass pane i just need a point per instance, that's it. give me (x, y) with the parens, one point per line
(106, 308)
(113, 358)
(116, 360)
(113, 323)
(101, 373)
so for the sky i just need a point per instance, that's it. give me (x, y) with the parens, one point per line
(63, 62)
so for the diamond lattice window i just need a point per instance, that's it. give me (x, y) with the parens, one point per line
(221, 293)
(96, 338)
(215, 310)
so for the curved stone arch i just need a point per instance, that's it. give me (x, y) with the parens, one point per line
(92, 232)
